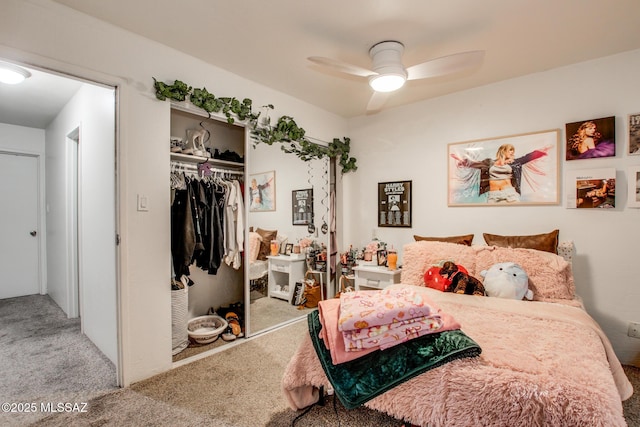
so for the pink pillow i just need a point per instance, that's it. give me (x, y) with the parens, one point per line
(254, 245)
(550, 275)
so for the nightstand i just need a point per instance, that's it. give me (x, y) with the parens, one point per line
(284, 272)
(373, 277)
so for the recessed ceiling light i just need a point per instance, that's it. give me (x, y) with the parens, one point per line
(12, 74)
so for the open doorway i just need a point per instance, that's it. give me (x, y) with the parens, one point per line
(67, 126)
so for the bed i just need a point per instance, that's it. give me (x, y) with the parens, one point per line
(542, 362)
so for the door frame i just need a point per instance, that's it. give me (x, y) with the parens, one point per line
(98, 79)
(74, 180)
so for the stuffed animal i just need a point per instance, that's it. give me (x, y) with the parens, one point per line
(461, 282)
(507, 280)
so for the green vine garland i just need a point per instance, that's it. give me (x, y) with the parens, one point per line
(286, 130)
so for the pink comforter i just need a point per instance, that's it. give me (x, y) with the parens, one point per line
(541, 364)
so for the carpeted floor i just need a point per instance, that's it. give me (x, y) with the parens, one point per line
(45, 358)
(239, 387)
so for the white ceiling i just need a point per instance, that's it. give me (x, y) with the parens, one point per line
(37, 100)
(268, 41)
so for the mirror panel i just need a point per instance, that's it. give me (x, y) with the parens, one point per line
(287, 198)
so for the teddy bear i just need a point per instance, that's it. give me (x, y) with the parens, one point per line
(506, 280)
(461, 281)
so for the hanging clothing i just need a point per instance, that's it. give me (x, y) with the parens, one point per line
(183, 238)
(216, 234)
(207, 223)
(234, 226)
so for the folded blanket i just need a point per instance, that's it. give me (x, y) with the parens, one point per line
(329, 312)
(385, 336)
(364, 309)
(362, 379)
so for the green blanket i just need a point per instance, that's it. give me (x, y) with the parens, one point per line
(362, 379)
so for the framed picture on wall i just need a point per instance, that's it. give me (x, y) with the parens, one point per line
(505, 171)
(302, 206)
(590, 139)
(262, 192)
(634, 134)
(394, 204)
(591, 188)
(633, 180)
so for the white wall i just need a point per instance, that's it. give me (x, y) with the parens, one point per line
(410, 143)
(47, 34)
(92, 111)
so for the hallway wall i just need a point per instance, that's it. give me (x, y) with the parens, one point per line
(92, 110)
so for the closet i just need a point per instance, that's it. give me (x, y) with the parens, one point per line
(207, 167)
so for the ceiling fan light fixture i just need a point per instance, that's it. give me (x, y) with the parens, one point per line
(12, 74)
(387, 82)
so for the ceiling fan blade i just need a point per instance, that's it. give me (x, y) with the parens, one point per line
(342, 66)
(446, 65)
(377, 101)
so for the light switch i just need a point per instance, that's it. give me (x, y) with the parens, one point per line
(143, 203)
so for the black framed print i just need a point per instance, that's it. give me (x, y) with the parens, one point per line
(302, 206)
(394, 204)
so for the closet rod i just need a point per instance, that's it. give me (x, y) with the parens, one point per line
(194, 167)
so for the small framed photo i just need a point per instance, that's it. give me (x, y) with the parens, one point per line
(633, 180)
(394, 204)
(382, 257)
(591, 139)
(288, 249)
(302, 206)
(634, 134)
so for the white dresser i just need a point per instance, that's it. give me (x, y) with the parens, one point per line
(374, 277)
(284, 272)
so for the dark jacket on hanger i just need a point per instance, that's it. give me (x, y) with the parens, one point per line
(183, 239)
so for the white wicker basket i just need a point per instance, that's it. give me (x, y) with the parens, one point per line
(206, 329)
(179, 320)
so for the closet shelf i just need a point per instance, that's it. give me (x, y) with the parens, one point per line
(188, 158)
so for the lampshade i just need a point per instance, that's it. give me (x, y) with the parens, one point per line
(387, 82)
(12, 74)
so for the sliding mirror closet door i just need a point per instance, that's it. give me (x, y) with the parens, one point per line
(287, 217)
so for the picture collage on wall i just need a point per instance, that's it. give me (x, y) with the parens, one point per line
(593, 139)
(524, 169)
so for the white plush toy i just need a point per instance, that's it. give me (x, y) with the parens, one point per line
(506, 280)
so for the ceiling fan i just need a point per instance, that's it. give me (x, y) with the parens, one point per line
(388, 74)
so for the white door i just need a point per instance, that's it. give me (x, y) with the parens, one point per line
(19, 241)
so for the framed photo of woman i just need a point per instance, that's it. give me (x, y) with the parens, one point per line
(591, 139)
(505, 171)
(262, 192)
